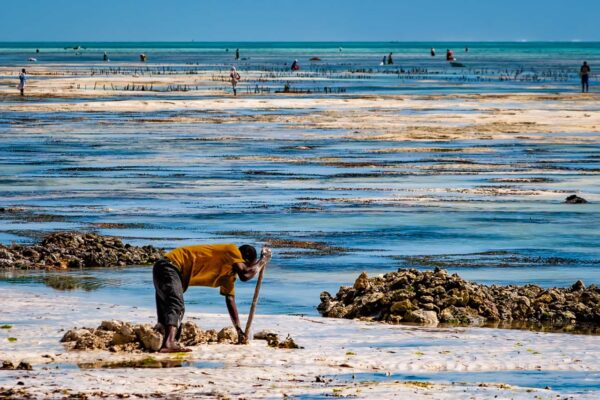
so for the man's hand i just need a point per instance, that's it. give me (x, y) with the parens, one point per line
(242, 339)
(265, 254)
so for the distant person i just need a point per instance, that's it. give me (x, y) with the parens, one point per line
(384, 61)
(466, 49)
(584, 73)
(143, 57)
(234, 78)
(37, 50)
(237, 54)
(432, 52)
(390, 61)
(449, 55)
(105, 57)
(295, 66)
(22, 80)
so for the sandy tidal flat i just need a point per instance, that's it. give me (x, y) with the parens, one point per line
(340, 358)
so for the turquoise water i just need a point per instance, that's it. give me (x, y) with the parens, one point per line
(541, 66)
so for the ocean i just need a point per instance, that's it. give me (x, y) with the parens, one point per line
(538, 66)
(359, 204)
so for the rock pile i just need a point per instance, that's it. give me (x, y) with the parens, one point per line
(431, 297)
(273, 340)
(23, 365)
(574, 199)
(118, 336)
(76, 250)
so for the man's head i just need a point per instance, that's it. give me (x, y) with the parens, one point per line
(585, 63)
(248, 254)
(23, 70)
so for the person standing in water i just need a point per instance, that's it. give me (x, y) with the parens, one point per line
(295, 66)
(584, 73)
(105, 57)
(237, 54)
(390, 61)
(432, 52)
(22, 79)
(235, 78)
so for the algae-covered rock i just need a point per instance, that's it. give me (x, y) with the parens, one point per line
(150, 339)
(227, 335)
(422, 317)
(362, 282)
(74, 334)
(76, 250)
(409, 295)
(401, 307)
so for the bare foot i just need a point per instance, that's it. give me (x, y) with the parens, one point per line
(175, 349)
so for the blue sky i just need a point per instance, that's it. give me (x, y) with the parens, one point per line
(299, 20)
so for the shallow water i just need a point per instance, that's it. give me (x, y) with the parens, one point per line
(490, 210)
(148, 362)
(352, 67)
(559, 381)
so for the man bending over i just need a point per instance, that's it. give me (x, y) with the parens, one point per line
(212, 265)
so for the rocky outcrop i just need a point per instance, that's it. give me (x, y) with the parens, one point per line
(76, 250)
(574, 199)
(434, 297)
(119, 336)
(273, 340)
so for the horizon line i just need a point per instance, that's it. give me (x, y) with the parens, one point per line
(303, 41)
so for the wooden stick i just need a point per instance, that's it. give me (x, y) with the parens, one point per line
(254, 302)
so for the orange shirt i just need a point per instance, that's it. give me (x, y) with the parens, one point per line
(207, 265)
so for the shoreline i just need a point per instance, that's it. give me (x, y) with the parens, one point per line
(333, 349)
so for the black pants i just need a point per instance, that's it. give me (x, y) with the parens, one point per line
(585, 83)
(169, 293)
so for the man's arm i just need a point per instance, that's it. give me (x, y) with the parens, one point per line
(235, 319)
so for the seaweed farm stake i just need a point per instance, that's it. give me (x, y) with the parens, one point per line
(254, 302)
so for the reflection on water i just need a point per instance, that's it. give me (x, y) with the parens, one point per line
(151, 362)
(59, 280)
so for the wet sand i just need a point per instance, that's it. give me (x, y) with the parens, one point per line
(386, 361)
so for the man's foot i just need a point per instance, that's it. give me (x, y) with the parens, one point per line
(175, 349)
(170, 344)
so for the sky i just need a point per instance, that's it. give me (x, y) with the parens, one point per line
(299, 20)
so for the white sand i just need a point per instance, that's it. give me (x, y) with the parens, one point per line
(256, 371)
(374, 117)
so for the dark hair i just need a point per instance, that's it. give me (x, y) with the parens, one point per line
(23, 70)
(248, 253)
